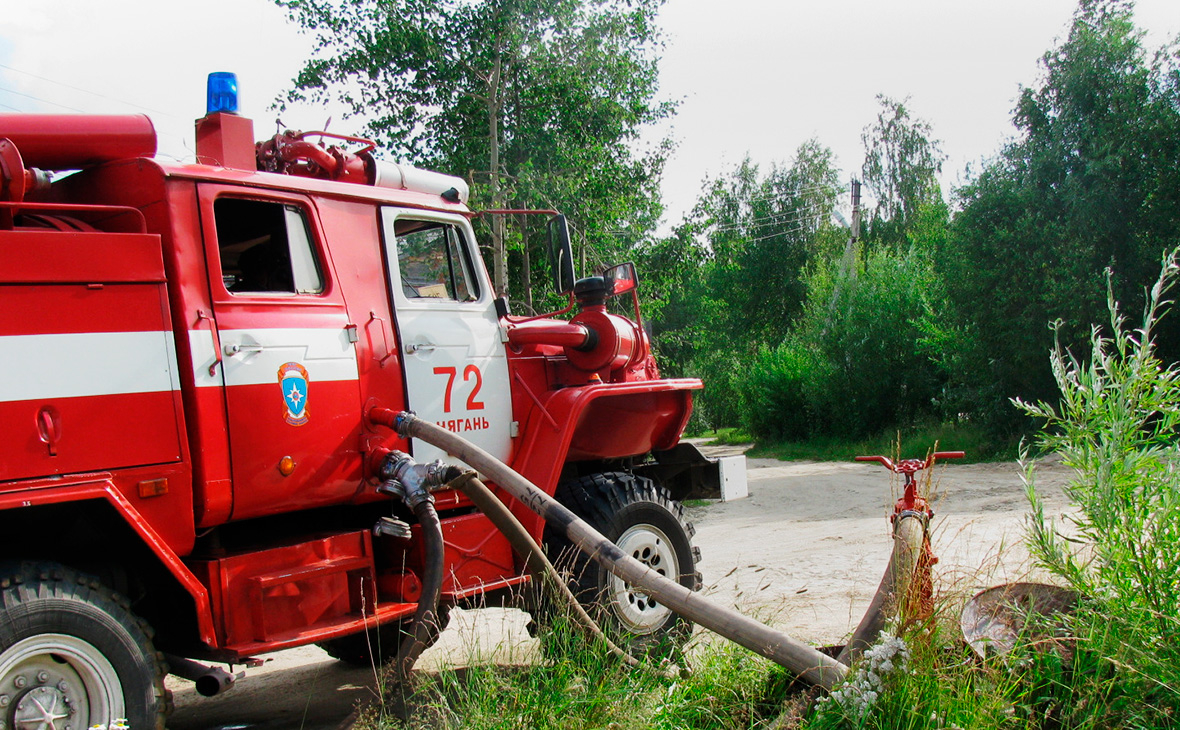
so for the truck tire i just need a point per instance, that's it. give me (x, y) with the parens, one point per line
(646, 523)
(379, 645)
(73, 650)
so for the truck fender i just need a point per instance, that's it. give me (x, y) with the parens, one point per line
(104, 490)
(596, 422)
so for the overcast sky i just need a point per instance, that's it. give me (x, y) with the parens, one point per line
(755, 77)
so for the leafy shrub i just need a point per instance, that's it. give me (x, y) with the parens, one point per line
(868, 354)
(777, 389)
(1117, 424)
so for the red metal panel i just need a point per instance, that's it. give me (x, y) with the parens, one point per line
(361, 278)
(293, 594)
(476, 552)
(226, 140)
(88, 434)
(559, 417)
(188, 282)
(327, 470)
(52, 256)
(72, 400)
(48, 309)
(635, 424)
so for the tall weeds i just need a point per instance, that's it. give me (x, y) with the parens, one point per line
(1117, 426)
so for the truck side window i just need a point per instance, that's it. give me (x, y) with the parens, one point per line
(432, 261)
(265, 247)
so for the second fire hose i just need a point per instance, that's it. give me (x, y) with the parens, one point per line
(804, 661)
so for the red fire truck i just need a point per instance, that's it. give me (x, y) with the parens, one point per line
(189, 354)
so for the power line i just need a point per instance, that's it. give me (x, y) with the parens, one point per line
(781, 219)
(797, 192)
(84, 91)
(43, 101)
(779, 233)
(785, 197)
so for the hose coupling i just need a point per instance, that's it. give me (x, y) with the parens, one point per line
(402, 423)
(392, 527)
(923, 515)
(405, 479)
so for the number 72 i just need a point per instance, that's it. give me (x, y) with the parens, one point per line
(470, 372)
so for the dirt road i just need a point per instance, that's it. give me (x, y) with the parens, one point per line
(804, 551)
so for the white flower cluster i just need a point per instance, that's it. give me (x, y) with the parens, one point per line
(862, 690)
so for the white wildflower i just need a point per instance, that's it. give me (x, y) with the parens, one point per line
(861, 691)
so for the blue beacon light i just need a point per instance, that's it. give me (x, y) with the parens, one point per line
(222, 93)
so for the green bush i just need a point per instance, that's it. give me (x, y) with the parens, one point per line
(1117, 425)
(720, 403)
(778, 387)
(869, 354)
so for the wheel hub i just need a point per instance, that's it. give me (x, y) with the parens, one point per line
(42, 708)
(638, 611)
(57, 682)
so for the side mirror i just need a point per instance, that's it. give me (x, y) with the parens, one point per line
(561, 257)
(620, 279)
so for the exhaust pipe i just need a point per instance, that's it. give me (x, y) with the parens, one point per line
(210, 681)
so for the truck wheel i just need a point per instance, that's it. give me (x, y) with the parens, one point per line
(377, 645)
(647, 524)
(74, 654)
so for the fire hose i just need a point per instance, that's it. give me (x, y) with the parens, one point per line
(534, 557)
(804, 661)
(894, 587)
(411, 483)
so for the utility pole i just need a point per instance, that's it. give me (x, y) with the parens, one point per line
(855, 210)
(848, 262)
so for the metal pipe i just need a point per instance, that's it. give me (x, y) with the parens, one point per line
(70, 141)
(806, 662)
(562, 334)
(210, 681)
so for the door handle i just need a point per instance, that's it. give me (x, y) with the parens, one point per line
(231, 350)
(47, 428)
(420, 347)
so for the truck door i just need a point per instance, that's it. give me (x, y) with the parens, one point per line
(288, 358)
(456, 369)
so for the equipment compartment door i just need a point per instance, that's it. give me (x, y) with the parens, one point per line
(455, 365)
(287, 352)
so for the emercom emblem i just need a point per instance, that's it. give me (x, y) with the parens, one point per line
(293, 382)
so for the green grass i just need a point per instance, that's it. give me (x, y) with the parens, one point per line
(915, 443)
(582, 686)
(726, 436)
